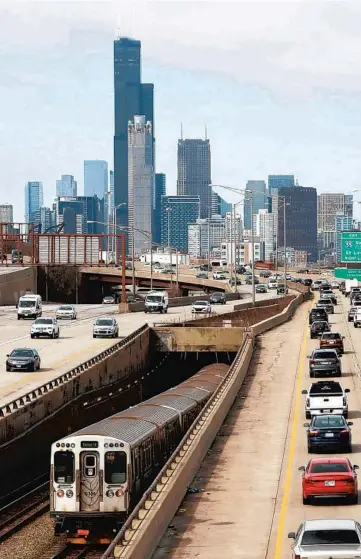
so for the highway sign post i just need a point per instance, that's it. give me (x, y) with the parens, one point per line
(347, 273)
(351, 246)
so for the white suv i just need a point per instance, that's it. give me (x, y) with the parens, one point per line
(219, 276)
(45, 327)
(66, 311)
(326, 397)
(106, 327)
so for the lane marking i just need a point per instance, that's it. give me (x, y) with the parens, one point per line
(292, 450)
(20, 383)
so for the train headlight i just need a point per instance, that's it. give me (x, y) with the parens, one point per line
(119, 493)
(69, 493)
(110, 493)
(60, 493)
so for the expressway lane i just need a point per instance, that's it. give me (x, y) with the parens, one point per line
(248, 492)
(290, 511)
(75, 344)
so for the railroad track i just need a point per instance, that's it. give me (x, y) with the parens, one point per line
(23, 509)
(69, 551)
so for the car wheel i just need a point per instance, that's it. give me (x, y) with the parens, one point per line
(8, 368)
(308, 415)
(305, 500)
(165, 310)
(32, 368)
(58, 334)
(312, 374)
(18, 317)
(310, 449)
(94, 336)
(345, 414)
(354, 326)
(353, 500)
(32, 336)
(349, 449)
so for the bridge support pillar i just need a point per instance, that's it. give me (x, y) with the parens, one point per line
(123, 307)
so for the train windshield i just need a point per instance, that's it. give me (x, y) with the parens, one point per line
(115, 467)
(64, 467)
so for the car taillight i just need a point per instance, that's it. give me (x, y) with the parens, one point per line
(313, 361)
(344, 432)
(310, 481)
(297, 556)
(314, 433)
(350, 480)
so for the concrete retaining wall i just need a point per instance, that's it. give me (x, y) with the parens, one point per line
(146, 525)
(183, 301)
(197, 339)
(123, 360)
(15, 283)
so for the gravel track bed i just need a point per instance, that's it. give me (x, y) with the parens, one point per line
(31, 541)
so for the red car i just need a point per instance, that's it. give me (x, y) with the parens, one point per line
(329, 478)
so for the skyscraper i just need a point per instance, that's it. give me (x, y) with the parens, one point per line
(66, 186)
(77, 212)
(140, 183)
(46, 218)
(6, 213)
(259, 199)
(194, 172)
(301, 219)
(34, 198)
(160, 190)
(279, 181)
(177, 213)
(131, 98)
(95, 178)
(328, 206)
(264, 225)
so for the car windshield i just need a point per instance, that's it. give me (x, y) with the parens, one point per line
(27, 303)
(324, 355)
(328, 421)
(217, 296)
(44, 321)
(65, 308)
(21, 353)
(329, 467)
(200, 303)
(329, 537)
(154, 298)
(331, 336)
(104, 322)
(319, 324)
(326, 388)
(325, 302)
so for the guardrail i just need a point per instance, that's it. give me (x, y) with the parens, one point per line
(47, 387)
(145, 526)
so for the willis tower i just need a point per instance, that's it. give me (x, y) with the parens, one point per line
(131, 97)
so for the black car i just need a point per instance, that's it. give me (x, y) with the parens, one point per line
(318, 328)
(240, 270)
(232, 281)
(249, 280)
(307, 282)
(282, 289)
(324, 362)
(23, 359)
(218, 299)
(317, 313)
(329, 432)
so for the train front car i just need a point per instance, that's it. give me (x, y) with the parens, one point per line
(89, 497)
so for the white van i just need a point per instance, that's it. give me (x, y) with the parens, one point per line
(29, 306)
(156, 301)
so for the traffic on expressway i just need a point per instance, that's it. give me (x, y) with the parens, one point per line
(285, 454)
(75, 343)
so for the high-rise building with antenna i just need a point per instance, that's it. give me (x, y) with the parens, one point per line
(194, 172)
(131, 97)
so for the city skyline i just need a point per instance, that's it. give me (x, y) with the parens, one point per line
(56, 136)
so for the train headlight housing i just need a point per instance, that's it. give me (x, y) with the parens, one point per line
(69, 493)
(60, 493)
(119, 493)
(110, 493)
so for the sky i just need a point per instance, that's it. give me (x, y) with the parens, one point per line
(278, 85)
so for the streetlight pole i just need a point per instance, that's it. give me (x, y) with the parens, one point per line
(284, 238)
(252, 245)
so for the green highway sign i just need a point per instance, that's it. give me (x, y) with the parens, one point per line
(351, 246)
(347, 273)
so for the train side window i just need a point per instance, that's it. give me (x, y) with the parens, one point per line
(115, 467)
(64, 466)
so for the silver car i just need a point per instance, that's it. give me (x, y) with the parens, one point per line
(201, 307)
(106, 327)
(326, 539)
(66, 312)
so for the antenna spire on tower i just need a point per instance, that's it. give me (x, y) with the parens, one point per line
(181, 131)
(205, 131)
